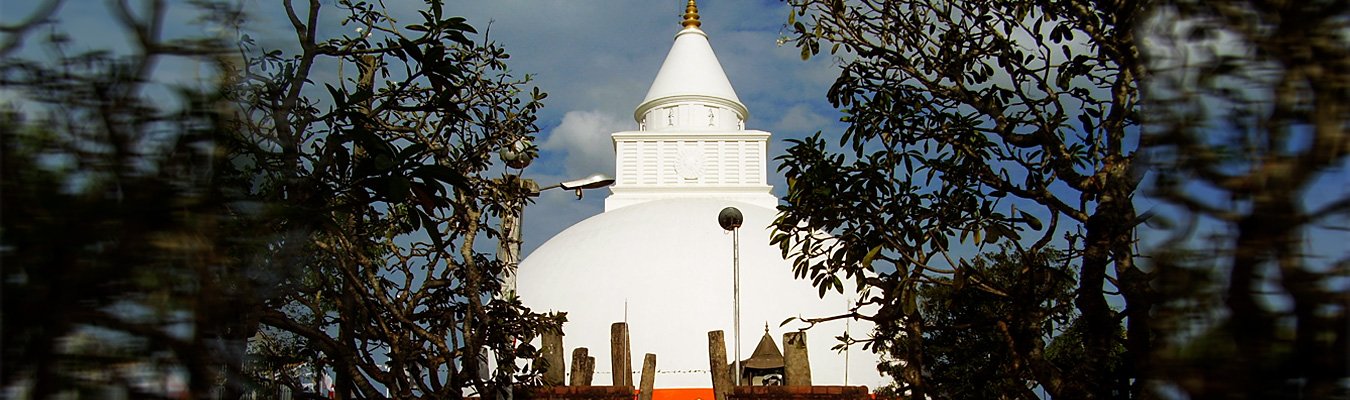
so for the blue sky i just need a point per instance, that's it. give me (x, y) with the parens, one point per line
(596, 59)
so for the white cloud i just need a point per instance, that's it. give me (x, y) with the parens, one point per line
(584, 137)
(801, 118)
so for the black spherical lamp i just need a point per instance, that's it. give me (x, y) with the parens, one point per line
(730, 218)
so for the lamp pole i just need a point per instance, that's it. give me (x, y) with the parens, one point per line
(519, 155)
(508, 248)
(730, 219)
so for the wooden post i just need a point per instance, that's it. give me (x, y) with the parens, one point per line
(796, 364)
(648, 377)
(552, 355)
(619, 356)
(717, 364)
(590, 371)
(583, 366)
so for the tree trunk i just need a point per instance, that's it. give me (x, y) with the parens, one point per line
(1105, 228)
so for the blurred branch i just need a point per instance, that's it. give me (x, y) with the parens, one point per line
(15, 34)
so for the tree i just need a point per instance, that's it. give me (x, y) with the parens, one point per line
(977, 120)
(1025, 299)
(1250, 108)
(384, 177)
(118, 232)
(1246, 107)
(333, 220)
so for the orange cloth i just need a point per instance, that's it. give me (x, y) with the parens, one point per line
(683, 394)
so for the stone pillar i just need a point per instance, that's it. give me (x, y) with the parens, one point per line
(648, 377)
(796, 365)
(717, 365)
(583, 367)
(552, 355)
(619, 356)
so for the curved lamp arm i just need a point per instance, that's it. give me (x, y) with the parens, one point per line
(591, 182)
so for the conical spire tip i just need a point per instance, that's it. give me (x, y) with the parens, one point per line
(691, 16)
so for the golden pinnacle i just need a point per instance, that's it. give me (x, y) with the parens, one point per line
(691, 16)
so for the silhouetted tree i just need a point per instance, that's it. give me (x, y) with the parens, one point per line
(980, 118)
(976, 120)
(978, 333)
(384, 173)
(1249, 111)
(123, 242)
(320, 204)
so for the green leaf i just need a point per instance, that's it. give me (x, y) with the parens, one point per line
(867, 259)
(911, 302)
(458, 37)
(397, 189)
(1087, 122)
(430, 226)
(1031, 220)
(412, 151)
(1002, 232)
(415, 221)
(412, 49)
(441, 173)
(338, 98)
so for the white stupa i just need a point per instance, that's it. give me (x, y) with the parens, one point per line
(657, 258)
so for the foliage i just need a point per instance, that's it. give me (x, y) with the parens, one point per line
(1009, 304)
(119, 233)
(285, 221)
(1250, 104)
(975, 120)
(384, 174)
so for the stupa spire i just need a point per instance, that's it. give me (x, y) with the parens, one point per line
(691, 140)
(691, 75)
(691, 16)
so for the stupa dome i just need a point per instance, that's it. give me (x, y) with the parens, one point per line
(665, 267)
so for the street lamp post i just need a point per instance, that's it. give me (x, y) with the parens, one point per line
(730, 219)
(519, 155)
(508, 249)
